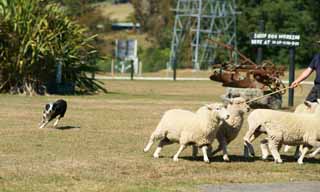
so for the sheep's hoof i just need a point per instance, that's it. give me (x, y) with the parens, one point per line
(278, 161)
(226, 159)
(145, 150)
(156, 156)
(264, 158)
(207, 161)
(300, 161)
(175, 159)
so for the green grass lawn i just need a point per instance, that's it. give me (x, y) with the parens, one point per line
(105, 153)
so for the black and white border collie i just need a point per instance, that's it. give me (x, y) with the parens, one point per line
(51, 111)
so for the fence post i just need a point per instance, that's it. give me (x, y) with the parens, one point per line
(132, 69)
(112, 67)
(174, 69)
(292, 54)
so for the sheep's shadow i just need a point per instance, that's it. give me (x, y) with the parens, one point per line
(292, 159)
(240, 158)
(218, 158)
(67, 127)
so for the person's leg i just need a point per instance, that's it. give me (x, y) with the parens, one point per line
(313, 94)
(317, 87)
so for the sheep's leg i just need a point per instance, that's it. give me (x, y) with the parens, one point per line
(252, 138)
(162, 143)
(224, 150)
(303, 153)
(247, 148)
(151, 140)
(209, 151)
(248, 135)
(176, 156)
(217, 150)
(248, 143)
(274, 145)
(315, 152)
(298, 151)
(205, 155)
(194, 151)
(252, 134)
(316, 145)
(286, 148)
(264, 149)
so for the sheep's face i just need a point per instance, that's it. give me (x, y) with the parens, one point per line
(219, 111)
(239, 104)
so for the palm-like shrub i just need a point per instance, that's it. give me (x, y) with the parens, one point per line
(34, 37)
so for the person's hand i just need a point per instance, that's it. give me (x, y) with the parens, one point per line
(294, 84)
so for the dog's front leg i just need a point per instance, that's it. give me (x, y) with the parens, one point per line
(56, 122)
(43, 124)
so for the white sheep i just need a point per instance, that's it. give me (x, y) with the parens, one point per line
(188, 128)
(255, 122)
(306, 107)
(283, 128)
(230, 128)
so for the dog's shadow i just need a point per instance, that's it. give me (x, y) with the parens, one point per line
(68, 127)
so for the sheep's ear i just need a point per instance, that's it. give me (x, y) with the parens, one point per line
(209, 108)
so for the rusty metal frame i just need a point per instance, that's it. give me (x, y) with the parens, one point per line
(247, 74)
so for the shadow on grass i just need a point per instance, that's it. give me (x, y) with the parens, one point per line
(239, 158)
(290, 158)
(218, 158)
(67, 127)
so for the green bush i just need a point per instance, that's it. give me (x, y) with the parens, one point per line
(35, 36)
(154, 59)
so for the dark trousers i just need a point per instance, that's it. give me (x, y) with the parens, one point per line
(314, 94)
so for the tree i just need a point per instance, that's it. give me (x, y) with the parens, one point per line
(156, 19)
(35, 36)
(279, 16)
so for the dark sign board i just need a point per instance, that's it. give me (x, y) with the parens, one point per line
(126, 48)
(273, 39)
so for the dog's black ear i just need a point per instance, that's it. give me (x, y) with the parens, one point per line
(47, 107)
(54, 107)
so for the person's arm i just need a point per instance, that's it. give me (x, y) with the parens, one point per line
(305, 74)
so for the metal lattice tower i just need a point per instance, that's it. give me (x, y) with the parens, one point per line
(203, 19)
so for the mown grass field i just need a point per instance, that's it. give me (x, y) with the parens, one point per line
(105, 153)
